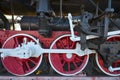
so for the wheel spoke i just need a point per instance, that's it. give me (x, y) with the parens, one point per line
(78, 59)
(73, 44)
(32, 61)
(66, 64)
(19, 61)
(101, 63)
(18, 66)
(63, 63)
(16, 41)
(75, 65)
(28, 66)
(61, 44)
(68, 42)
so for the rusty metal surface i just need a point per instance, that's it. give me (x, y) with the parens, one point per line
(58, 78)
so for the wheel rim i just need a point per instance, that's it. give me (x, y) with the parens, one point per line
(100, 62)
(66, 64)
(17, 66)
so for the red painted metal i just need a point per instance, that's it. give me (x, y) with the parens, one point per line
(22, 67)
(64, 65)
(16, 65)
(45, 41)
(115, 64)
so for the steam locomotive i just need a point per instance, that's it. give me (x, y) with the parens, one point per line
(66, 37)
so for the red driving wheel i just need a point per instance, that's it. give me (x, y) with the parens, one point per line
(100, 62)
(67, 64)
(17, 66)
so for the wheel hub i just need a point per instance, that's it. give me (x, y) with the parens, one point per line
(15, 65)
(67, 64)
(69, 55)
